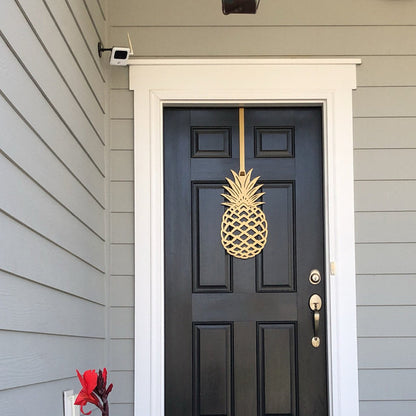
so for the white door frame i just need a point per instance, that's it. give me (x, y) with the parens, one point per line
(326, 82)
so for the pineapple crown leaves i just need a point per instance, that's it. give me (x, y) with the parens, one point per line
(242, 190)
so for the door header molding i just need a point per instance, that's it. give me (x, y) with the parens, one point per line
(243, 61)
(249, 81)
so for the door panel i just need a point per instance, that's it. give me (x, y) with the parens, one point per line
(276, 367)
(238, 332)
(213, 368)
(275, 265)
(212, 271)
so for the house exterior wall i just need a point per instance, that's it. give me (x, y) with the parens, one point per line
(54, 201)
(382, 34)
(66, 194)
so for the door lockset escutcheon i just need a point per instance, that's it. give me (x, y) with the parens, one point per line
(315, 304)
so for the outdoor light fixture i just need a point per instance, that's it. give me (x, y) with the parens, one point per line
(240, 6)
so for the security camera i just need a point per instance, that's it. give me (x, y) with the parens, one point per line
(119, 55)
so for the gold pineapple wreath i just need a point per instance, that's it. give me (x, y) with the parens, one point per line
(244, 225)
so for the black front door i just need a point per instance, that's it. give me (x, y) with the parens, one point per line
(238, 334)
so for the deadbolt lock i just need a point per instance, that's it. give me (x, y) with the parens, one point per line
(315, 277)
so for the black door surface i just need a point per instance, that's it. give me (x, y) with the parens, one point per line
(238, 332)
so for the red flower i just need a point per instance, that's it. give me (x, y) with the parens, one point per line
(94, 390)
(86, 395)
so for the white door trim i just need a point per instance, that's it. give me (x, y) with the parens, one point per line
(251, 81)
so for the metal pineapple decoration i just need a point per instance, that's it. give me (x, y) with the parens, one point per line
(244, 225)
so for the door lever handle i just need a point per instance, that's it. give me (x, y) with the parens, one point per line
(315, 304)
(316, 324)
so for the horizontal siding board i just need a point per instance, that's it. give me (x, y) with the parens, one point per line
(29, 152)
(121, 104)
(385, 258)
(29, 255)
(89, 95)
(86, 26)
(119, 77)
(121, 322)
(121, 354)
(122, 291)
(30, 307)
(122, 198)
(269, 41)
(50, 128)
(385, 164)
(37, 210)
(37, 399)
(385, 195)
(387, 71)
(49, 80)
(386, 321)
(121, 165)
(97, 18)
(387, 384)
(88, 58)
(27, 358)
(386, 290)
(388, 408)
(102, 4)
(122, 259)
(384, 102)
(325, 12)
(386, 353)
(385, 133)
(122, 228)
(121, 134)
(385, 227)
(126, 409)
(124, 380)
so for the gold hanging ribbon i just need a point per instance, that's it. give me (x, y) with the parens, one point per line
(242, 144)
